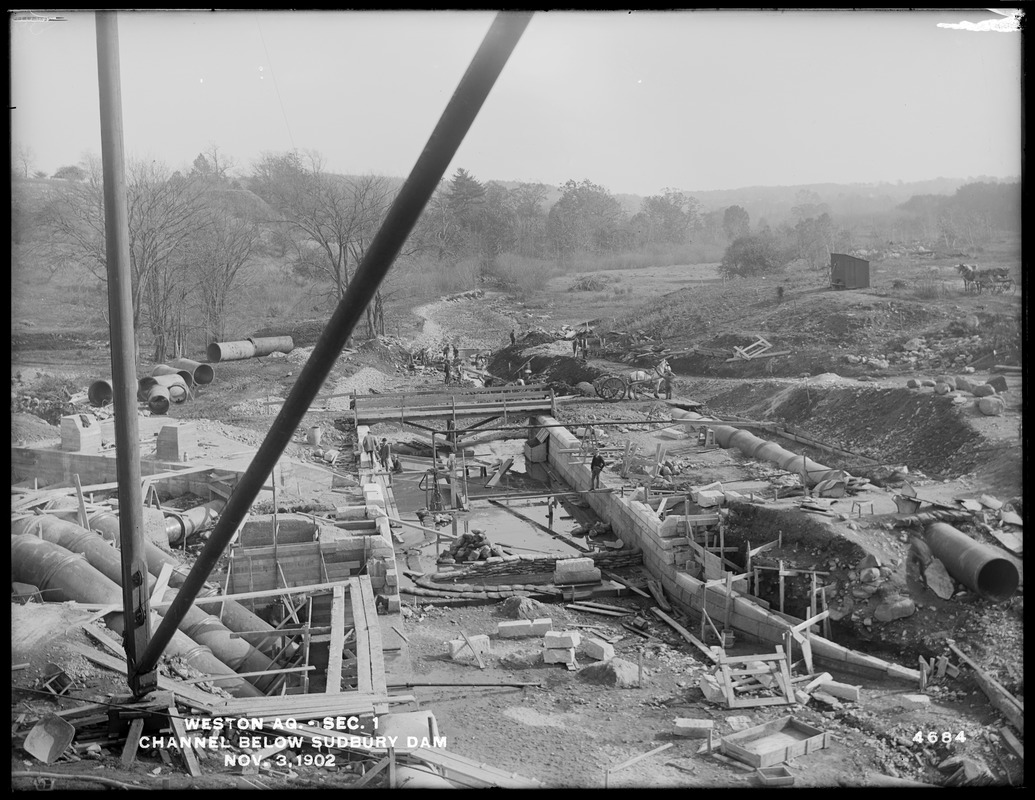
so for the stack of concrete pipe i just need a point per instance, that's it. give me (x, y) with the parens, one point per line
(249, 348)
(64, 575)
(162, 390)
(50, 567)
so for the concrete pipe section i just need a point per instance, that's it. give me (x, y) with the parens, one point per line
(201, 374)
(982, 569)
(202, 628)
(63, 575)
(230, 351)
(272, 344)
(165, 369)
(100, 393)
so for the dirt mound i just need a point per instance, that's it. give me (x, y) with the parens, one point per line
(28, 429)
(923, 431)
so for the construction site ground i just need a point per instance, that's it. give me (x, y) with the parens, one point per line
(567, 731)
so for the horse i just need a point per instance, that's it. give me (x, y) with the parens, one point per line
(971, 277)
(640, 379)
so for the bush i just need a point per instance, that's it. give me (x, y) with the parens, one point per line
(753, 255)
(588, 283)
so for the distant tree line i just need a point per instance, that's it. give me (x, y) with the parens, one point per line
(197, 236)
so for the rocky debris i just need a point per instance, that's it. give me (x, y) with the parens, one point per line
(585, 389)
(474, 546)
(524, 608)
(938, 579)
(998, 382)
(894, 608)
(523, 659)
(615, 672)
(966, 771)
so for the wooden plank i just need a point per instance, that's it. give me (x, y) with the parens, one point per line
(377, 663)
(220, 598)
(996, 692)
(625, 583)
(190, 758)
(337, 640)
(504, 467)
(810, 622)
(685, 634)
(129, 750)
(359, 620)
(600, 611)
(659, 594)
(162, 583)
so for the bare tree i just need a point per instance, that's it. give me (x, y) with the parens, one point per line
(164, 213)
(24, 160)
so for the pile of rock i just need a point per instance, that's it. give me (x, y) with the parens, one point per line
(473, 546)
(989, 401)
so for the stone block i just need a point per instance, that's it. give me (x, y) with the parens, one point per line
(586, 576)
(914, 700)
(559, 655)
(394, 604)
(541, 626)
(514, 629)
(598, 649)
(80, 433)
(459, 651)
(983, 390)
(573, 565)
(177, 442)
(844, 691)
(693, 728)
(991, 406)
(562, 639)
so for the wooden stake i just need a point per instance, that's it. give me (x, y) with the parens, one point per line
(781, 587)
(83, 520)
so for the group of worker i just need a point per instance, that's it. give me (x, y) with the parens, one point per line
(380, 453)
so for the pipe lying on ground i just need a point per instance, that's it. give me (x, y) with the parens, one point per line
(63, 576)
(272, 344)
(235, 616)
(201, 374)
(752, 446)
(165, 369)
(201, 627)
(980, 568)
(100, 393)
(158, 401)
(229, 351)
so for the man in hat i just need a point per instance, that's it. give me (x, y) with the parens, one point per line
(596, 466)
(384, 455)
(370, 447)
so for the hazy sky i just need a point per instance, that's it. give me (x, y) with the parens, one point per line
(635, 102)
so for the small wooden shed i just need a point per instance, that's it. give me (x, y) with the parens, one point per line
(849, 272)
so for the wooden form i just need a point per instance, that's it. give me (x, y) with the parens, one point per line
(774, 742)
(775, 665)
(753, 350)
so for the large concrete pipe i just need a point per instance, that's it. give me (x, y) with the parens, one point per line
(158, 400)
(63, 576)
(229, 351)
(981, 568)
(183, 523)
(752, 446)
(203, 628)
(252, 628)
(272, 344)
(202, 374)
(165, 369)
(100, 393)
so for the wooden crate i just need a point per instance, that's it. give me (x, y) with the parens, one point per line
(775, 776)
(775, 742)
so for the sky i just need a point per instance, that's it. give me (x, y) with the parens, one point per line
(634, 102)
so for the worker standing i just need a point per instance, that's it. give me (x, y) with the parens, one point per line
(384, 455)
(667, 380)
(370, 447)
(596, 466)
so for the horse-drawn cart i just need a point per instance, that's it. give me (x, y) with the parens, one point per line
(616, 387)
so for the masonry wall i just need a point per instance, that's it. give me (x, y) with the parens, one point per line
(638, 524)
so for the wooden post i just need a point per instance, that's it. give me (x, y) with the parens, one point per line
(812, 597)
(826, 620)
(83, 519)
(305, 644)
(781, 586)
(729, 602)
(639, 679)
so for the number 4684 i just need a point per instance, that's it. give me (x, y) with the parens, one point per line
(933, 737)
